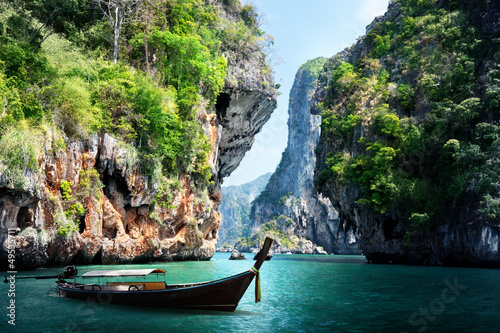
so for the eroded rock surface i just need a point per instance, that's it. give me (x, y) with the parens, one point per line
(290, 193)
(119, 224)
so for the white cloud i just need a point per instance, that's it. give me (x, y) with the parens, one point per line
(371, 9)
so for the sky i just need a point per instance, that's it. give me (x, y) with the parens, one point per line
(302, 30)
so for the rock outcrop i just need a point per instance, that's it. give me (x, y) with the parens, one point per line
(116, 227)
(235, 255)
(455, 232)
(290, 192)
(118, 221)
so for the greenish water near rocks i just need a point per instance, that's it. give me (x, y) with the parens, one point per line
(301, 293)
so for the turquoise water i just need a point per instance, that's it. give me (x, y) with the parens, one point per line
(300, 293)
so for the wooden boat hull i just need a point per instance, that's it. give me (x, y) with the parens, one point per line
(219, 295)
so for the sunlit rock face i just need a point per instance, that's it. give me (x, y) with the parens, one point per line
(119, 224)
(290, 191)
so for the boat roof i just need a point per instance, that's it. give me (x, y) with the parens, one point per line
(123, 272)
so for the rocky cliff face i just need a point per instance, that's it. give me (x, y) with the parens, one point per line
(290, 192)
(119, 224)
(434, 229)
(119, 221)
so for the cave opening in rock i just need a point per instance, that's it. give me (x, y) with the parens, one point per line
(222, 104)
(110, 233)
(23, 218)
(81, 225)
(114, 184)
(97, 260)
(388, 227)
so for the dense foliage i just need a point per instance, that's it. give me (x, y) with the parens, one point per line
(57, 82)
(413, 123)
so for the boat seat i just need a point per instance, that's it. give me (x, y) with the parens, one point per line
(155, 285)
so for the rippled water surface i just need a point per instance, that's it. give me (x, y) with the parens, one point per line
(300, 293)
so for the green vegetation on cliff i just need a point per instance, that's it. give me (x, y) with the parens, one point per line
(412, 120)
(58, 81)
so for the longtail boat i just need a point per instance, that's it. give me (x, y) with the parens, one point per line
(221, 295)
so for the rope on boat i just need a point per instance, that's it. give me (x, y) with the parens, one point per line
(258, 295)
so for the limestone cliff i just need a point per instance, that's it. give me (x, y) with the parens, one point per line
(90, 201)
(403, 155)
(118, 225)
(289, 194)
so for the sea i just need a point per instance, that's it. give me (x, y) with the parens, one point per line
(300, 293)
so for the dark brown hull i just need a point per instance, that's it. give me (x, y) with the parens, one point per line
(219, 295)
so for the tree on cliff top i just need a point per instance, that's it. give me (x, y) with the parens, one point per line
(119, 13)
